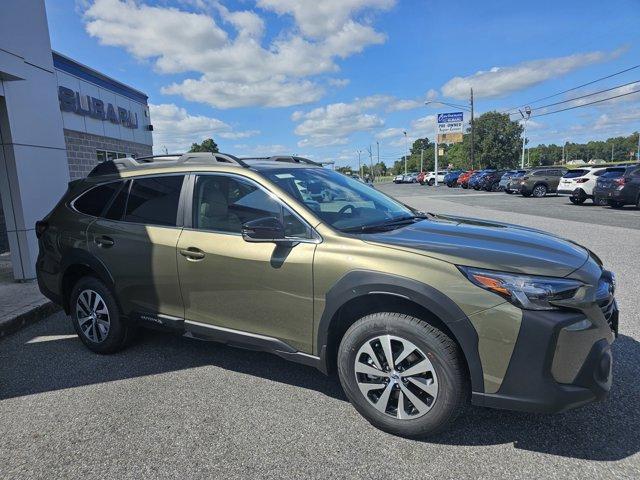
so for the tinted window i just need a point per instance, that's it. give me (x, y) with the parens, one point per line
(154, 200)
(575, 173)
(94, 200)
(225, 203)
(613, 173)
(116, 209)
(540, 173)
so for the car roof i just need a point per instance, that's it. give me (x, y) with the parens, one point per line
(196, 160)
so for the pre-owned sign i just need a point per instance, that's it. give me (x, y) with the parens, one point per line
(89, 106)
(450, 122)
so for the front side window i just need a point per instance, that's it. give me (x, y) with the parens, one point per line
(337, 199)
(93, 201)
(224, 203)
(154, 200)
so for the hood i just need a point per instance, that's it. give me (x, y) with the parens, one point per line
(490, 245)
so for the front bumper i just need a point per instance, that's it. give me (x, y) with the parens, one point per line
(530, 383)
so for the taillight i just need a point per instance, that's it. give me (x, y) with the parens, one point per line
(582, 180)
(41, 227)
(620, 181)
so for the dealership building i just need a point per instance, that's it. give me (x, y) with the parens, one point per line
(58, 119)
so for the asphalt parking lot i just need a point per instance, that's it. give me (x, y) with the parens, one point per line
(171, 407)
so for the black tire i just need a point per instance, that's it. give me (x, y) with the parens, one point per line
(615, 204)
(431, 182)
(509, 192)
(638, 202)
(599, 201)
(539, 190)
(577, 200)
(119, 333)
(446, 359)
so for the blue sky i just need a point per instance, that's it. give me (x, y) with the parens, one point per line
(325, 78)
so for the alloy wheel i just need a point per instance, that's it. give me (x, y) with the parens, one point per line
(539, 191)
(396, 377)
(92, 315)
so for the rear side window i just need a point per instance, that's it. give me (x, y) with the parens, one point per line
(540, 173)
(93, 201)
(613, 173)
(575, 173)
(154, 200)
(116, 209)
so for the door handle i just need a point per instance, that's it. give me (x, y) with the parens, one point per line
(104, 241)
(192, 253)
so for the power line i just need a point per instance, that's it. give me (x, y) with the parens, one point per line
(584, 96)
(585, 104)
(572, 89)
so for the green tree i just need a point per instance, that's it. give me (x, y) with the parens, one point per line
(498, 141)
(207, 145)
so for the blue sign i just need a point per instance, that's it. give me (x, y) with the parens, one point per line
(450, 117)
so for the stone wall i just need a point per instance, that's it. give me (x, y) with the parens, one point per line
(82, 148)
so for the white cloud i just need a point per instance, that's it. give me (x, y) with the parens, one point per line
(334, 123)
(392, 132)
(175, 129)
(233, 68)
(499, 81)
(325, 17)
(338, 82)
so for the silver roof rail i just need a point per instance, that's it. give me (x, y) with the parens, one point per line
(285, 158)
(204, 158)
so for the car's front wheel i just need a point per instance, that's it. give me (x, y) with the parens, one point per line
(403, 375)
(539, 191)
(96, 317)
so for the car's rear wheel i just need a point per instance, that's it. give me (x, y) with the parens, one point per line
(506, 190)
(96, 318)
(403, 375)
(431, 182)
(615, 204)
(539, 191)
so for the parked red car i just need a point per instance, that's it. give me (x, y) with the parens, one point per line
(463, 179)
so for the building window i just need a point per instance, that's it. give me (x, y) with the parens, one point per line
(103, 155)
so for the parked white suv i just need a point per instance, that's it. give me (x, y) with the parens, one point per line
(430, 177)
(579, 183)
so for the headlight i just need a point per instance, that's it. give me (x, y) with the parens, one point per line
(524, 291)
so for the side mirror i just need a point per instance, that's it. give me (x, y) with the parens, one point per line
(267, 229)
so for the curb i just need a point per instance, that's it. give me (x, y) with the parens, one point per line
(29, 317)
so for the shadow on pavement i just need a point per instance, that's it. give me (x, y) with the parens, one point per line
(45, 357)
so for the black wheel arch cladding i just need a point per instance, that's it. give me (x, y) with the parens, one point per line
(360, 283)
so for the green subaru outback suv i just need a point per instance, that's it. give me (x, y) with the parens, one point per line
(419, 314)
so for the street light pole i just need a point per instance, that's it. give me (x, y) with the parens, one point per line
(527, 110)
(473, 153)
(638, 152)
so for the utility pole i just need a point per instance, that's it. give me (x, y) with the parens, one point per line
(406, 146)
(378, 149)
(359, 164)
(563, 157)
(371, 164)
(422, 159)
(638, 152)
(612, 152)
(473, 155)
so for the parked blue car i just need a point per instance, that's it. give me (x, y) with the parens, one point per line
(451, 178)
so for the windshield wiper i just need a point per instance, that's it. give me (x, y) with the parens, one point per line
(387, 225)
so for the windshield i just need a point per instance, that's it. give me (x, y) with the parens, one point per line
(338, 200)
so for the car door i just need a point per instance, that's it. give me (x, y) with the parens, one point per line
(227, 282)
(136, 240)
(554, 179)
